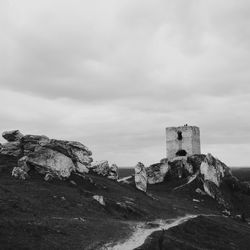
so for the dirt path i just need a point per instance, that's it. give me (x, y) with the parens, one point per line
(143, 230)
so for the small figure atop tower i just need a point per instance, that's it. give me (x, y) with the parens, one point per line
(181, 141)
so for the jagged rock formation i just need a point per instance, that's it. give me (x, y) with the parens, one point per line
(212, 177)
(51, 158)
(113, 172)
(103, 168)
(214, 170)
(13, 135)
(156, 172)
(141, 177)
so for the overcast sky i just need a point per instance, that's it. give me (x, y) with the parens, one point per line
(114, 73)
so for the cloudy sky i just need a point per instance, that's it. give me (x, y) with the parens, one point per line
(113, 74)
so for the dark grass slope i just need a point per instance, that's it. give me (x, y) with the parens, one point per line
(213, 232)
(35, 214)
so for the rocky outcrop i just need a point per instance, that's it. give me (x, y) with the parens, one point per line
(13, 135)
(49, 162)
(214, 170)
(32, 143)
(180, 167)
(75, 150)
(100, 168)
(11, 149)
(103, 168)
(51, 158)
(141, 177)
(201, 174)
(157, 172)
(113, 172)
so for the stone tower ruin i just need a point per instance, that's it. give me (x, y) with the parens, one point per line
(184, 140)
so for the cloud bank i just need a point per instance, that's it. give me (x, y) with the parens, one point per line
(114, 74)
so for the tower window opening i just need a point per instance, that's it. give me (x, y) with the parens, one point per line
(179, 135)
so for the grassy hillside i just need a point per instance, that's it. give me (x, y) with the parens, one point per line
(203, 232)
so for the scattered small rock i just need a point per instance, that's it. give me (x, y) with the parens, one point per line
(73, 183)
(100, 199)
(195, 200)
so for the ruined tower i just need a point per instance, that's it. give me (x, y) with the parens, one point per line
(184, 140)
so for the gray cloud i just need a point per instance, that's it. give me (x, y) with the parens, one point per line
(115, 73)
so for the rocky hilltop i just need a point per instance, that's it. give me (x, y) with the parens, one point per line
(54, 196)
(49, 157)
(204, 173)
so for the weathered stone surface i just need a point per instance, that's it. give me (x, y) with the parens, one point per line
(213, 170)
(113, 172)
(11, 149)
(180, 168)
(141, 177)
(13, 135)
(47, 161)
(75, 150)
(101, 168)
(81, 168)
(157, 172)
(185, 139)
(19, 173)
(22, 163)
(53, 158)
(32, 143)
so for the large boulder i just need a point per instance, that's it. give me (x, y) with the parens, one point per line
(13, 135)
(141, 177)
(157, 172)
(75, 150)
(48, 163)
(214, 170)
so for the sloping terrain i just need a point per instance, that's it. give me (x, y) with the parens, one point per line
(63, 214)
(202, 232)
(53, 197)
(35, 214)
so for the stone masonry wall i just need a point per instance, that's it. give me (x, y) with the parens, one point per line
(188, 139)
